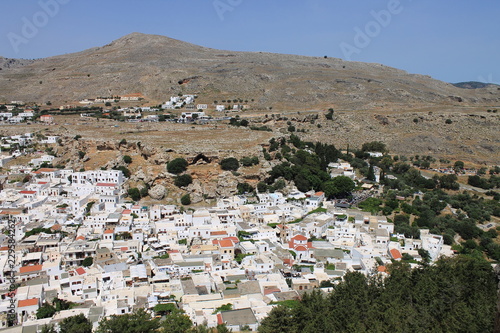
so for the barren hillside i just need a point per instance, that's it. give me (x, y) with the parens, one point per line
(159, 66)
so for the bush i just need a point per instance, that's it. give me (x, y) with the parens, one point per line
(244, 188)
(127, 159)
(374, 146)
(262, 187)
(448, 121)
(177, 165)
(87, 262)
(230, 163)
(183, 180)
(249, 161)
(134, 194)
(186, 199)
(126, 172)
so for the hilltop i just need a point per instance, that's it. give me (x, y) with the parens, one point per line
(159, 66)
(474, 85)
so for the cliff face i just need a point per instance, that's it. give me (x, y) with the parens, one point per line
(159, 67)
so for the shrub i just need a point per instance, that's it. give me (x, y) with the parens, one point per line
(186, 199)
(183, 180)
(87, 262)
(244, 188)
(134, 193)
(177, 165)
(230, 163)
(127, 159)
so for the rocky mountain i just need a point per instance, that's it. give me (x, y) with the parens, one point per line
(8, 63)
(474, 85)
(159, 67)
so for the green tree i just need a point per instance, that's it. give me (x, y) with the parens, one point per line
(222, 328)
(176, 323)
(87, 262)
(183, 180)
(458, 166)
(164, 309)
(454, 295)
(186, 199)
(75, 324)
(230, 163)
(246, 161)
(137, 322)
(126, 172)
(371, 173)
(262, 187)
(127, 159)
(45, 311)
(244, 188)
(134, 193)
(177, 165)
(278, 320)
(339, 186)
(48, 329)
(374, 146)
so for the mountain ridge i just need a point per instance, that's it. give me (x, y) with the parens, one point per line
(159, 67)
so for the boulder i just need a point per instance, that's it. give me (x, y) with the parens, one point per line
(157, 192)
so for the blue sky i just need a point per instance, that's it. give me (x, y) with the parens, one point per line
(451, 40)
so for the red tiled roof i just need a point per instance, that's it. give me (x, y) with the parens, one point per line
(45, 170)
(27, 302)
(381, 269)
(80, 271)
(9, 212)
(127, 211)
(299, 238)
(395, 254)
(42, 183)
(123, 248)
(233, 239)
(56, 227)
(29, 269)
(226, 243)
(218, 233)
(300, 248)
(27, 192)
(108, 231)
(219, 319)
(318, 194)
(288, 262)
(4, 248)
(271, 290)
(80, 238)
